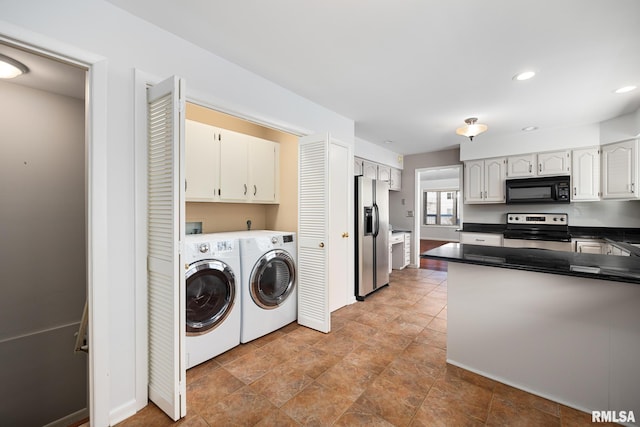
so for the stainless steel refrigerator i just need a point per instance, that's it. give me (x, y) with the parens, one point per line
(372, 235)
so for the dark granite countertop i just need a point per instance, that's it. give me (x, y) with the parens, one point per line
(593, 266)
(400, 230)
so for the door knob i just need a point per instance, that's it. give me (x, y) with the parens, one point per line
(345, 234)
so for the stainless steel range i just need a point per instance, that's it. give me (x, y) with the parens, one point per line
(538, 230)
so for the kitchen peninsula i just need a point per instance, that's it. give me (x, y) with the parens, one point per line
(562, 325)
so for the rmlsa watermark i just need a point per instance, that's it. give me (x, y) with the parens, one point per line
(613, 417)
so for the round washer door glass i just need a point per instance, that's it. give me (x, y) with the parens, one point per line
(273, 279)
(210, 286)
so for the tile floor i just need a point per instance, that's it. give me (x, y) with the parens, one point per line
(383, 364)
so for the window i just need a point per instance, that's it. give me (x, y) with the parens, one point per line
(440, 207)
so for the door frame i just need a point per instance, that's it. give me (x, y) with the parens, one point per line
(95, 204)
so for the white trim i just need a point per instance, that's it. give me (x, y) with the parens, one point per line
(97, 233)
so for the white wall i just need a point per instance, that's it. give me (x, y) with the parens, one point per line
(370, 151)
(127, 42)
(486, 146)
(620, 128)
(402, 202)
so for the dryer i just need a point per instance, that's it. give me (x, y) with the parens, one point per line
(213, 307)
(269, 285)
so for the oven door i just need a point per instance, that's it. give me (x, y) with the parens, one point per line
(536, 243)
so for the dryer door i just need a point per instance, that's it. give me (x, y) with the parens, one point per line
(273, 279)
(211, 293)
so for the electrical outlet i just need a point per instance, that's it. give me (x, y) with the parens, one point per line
(403, 202)
(410, 214)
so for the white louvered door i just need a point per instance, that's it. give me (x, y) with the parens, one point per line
(313, 289)
(165, 222)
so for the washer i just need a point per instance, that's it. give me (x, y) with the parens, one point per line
(269, 288)
(213, 308)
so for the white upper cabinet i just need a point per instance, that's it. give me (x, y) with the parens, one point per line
(227, 166)
(357, 166)
(369, 169)
(264, 162)
(521, 166)
(540, 164)
(384, 173)
(554, 163)
(234, 167)
(620, 170)
(484, 180)
(396, 180)
(585, 174)
(202, 157)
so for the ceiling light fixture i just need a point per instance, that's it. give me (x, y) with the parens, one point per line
(525, 75)
(471, 129)
(10, 68)
(625, 89)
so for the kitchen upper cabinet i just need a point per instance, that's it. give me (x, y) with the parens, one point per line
(521, 166)
(384, 173)
(369, 169)
(620, 170)
(484, 180)
(396, 180)
(554, 163)
(540, 164)
(202, 157)
(585, 174)
(357, 166)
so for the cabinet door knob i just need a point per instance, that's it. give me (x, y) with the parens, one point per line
(345, 234)
(321, 244)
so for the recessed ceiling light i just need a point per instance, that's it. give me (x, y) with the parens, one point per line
(530, 128)
(10, 68)
(525, 75)
(625, 89)
(388, 141)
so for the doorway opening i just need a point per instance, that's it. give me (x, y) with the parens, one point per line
(439, 209)
(43, 224)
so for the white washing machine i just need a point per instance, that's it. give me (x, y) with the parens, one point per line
(213, 307)
(269, 286)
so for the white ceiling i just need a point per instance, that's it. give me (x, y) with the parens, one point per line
(47, 74)
(411, 71)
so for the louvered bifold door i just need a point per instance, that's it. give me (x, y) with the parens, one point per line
(313, 184)
(166, 280)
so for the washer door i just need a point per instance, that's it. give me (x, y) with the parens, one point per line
(211, 293)
(273, 279)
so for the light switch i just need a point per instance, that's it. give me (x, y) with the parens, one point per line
(410, 214)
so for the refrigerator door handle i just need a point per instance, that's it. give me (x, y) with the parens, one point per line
(376, 220)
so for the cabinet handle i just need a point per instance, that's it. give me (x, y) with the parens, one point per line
(255, 189)
(530, 167)
(575, 191)
(540, 167)
(485, 194)
(633, 187)
(245, 189)
(479, 240)
(345, 234)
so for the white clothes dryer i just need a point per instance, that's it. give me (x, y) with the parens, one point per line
(213, 307)
(269, 282)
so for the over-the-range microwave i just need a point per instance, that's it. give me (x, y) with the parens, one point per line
(548, 189)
